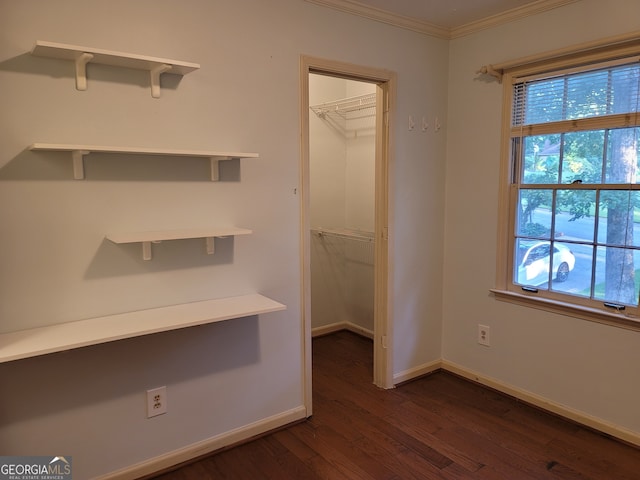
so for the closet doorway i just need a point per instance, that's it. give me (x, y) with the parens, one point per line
(342, 128)
(345, 148)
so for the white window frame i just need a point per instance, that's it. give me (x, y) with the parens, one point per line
(579, 58)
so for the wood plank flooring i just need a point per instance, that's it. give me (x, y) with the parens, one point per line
(436, 427)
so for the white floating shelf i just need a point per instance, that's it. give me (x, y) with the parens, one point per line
(147, 238)
(79, 151)
(94, 331)
(84, 55)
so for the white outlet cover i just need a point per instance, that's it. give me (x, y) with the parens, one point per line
(156, 401)
(484, 335)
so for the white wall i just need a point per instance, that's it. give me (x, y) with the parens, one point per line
(588, 367)
(360, 165)
(57, 267)
(327, 156)
(341, 158)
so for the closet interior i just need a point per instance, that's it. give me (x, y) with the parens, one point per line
(342, 121)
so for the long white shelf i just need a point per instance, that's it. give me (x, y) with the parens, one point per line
(81, 56)
(147, 238)
(94, 331)
(79, 151)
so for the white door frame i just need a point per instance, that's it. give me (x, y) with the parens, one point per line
(385, 81)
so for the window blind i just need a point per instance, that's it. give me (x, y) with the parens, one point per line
(574, 96)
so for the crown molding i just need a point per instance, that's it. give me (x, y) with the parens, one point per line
(357, 8)
(511, 15)
(373, 13)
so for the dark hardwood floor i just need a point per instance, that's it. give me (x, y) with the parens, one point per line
(436, 427)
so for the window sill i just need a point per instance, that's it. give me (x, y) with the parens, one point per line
(619, 320)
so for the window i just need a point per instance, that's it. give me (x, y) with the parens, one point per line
(572, 216)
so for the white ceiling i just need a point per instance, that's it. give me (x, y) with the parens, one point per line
(446, 18)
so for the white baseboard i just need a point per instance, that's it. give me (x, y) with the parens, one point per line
(417, 372)
(577, 416)
(352, 327)
(336, 327)
(327, 329)
(204, 447)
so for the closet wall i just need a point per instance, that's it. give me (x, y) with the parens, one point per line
(342, 167)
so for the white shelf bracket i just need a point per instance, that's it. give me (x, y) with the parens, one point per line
(81, 70)
(78, 163)
(155, 73)
(146, 250)
(210, 245)
(215, 169)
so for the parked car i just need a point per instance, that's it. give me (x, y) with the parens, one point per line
(533, 268)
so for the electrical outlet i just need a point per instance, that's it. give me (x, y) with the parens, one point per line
(484, 337)
(156, 401)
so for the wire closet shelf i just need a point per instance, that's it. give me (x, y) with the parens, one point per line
(361, 106)
(353, 246)
(346, 233)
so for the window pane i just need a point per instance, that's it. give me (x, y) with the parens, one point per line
(578, 282)
(587, 95)
(541, 159)
(624, 88)
(582, 157)
(544, 101)
(619, 218)
(568, 274)
(575, 215)
(532, 261)
(537, 262)
(616, 275)
(534, 215)
(622, 156)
